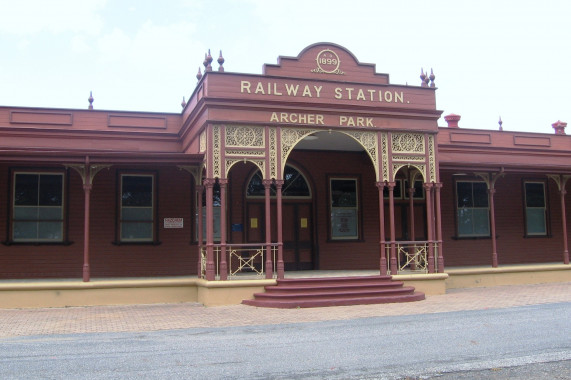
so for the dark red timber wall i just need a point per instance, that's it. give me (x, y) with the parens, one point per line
(513, 247)
(174, 254)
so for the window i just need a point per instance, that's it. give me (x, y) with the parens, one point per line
(418, 190)
(535, 210)
(137, 208)
(38, 207)
(397, 191)
(295, 185)
(344, 206)
(472, 209)
(215, 211)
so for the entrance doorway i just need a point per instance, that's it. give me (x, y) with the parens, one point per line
(298, 236)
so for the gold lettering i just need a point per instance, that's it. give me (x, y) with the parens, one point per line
(380, 96)
(291, 90)
(274, 117)
(399, 97)
(259, 89)
(310, 119)
(319, 119)
(245, 86)
(283, 117)
(306, 91)
(370, 122)
(293, 118)
(350, 122)
(302, 118)
(388, 96)
(276, 90)
(361, 121)
(342, 120)
(338, 93)
(349, 91)
(360, 95)
(318, 90)
(371, 92)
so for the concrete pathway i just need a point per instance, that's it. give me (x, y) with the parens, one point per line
(20, 322)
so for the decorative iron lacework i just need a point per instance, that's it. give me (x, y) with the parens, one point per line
(261, 164)
(217, 170)
(369, 141)
(421, 168)
(408, 158)
(408, 143)
(290, 137)
(431, 158)
(251, 153)
(195, 171)
(242, 136)
(202, 142)
(385, 156)
(273, 153)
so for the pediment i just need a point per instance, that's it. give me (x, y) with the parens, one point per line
(326, 61)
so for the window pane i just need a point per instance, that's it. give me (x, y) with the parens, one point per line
(25, 213)
(481, 222)
(137, 191)
(137, 213)
(26, 190)
(294, 183)
(344, 223)
(50, 230)
(465, 221)
(51, 190)
(25, 230)
(535, 219)
(464, 191)
(480, 191)
(136, 231)
(534, 194)
(343, 193)
(50, 213)
(255, 187)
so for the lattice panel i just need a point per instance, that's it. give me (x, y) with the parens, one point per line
(261, 164)
(217, 159)
(203, 142)
(431, 158)
(245, 137)
(273, 153)
(408, 143)
(290, 137)
(369, 141)
(408, 158)
(385, 156)
(249, 153)
(421, 168)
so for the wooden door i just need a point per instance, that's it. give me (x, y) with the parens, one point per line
(298, 236)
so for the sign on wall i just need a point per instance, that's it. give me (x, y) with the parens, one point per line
(173, 222)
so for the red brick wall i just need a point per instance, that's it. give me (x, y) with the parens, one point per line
(175, 255)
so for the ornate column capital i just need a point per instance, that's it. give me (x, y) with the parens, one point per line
(209, 182)
(391, 185)
(380, 185)
(428, 186)
(279, 183)
(223, 182)
(267, 182)
(492, 191)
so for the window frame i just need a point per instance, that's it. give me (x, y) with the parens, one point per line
(457, 209)
(10, 239)
(357, 236)
(273, 187)
(545, 208)
(153, 239)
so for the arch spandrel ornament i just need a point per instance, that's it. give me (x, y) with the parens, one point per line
(420, 167)
(407, 142)
(241, 136)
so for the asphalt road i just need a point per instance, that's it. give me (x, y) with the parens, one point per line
(520, 342)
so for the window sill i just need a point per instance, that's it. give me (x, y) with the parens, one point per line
(136, 242)
(472, 237)
(11, 242)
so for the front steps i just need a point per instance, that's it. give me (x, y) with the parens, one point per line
(334, 291)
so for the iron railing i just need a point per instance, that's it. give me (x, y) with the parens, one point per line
(243, 260)
(412, 256)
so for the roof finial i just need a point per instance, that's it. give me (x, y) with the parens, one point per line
(221, 62)
(431, 77)
(208, 61)
(422, 78)
(90, 99)
(199, 75)
(183, 104)
(500, 122)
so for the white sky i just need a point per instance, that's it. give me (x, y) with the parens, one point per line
(490, 57)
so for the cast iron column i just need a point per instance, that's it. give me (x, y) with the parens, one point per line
(269, 269)
(210, 267)
(429, 226)
(393, 258)
(86, 217)
(383, 260)
(199, 229)
(280, 265)
(440, 259)
(223, 263)
(491, 192)
(564, 223)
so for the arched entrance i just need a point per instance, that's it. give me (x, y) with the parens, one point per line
(297, 216)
